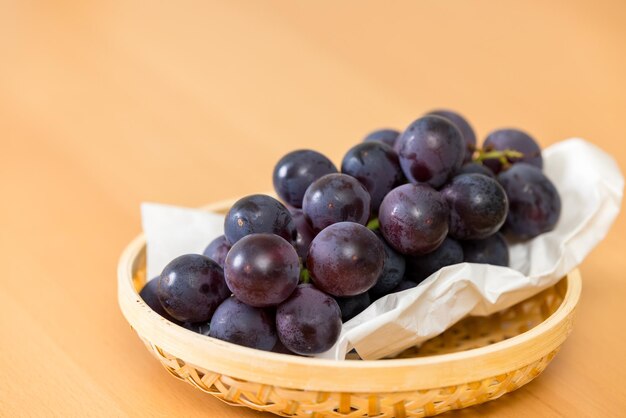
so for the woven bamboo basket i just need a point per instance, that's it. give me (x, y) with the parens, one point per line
(477, 360)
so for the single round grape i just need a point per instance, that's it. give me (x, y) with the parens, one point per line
(345, 259)
(475, 168)
(431, 150)
(191, 287)
(217, 250)
(257, 214)
(198, 327)
(463, 125)
(305, 232)
(351, 306)
(534, 202)
(421, 267)
(386, 136)
(492, 250)
(262, 270)
(478, 206)
(376, 166)
(393, 271)
(515, 140)
(238, 323)
(336, 198)
(414, 219)
(309, 322)
(295, 172)
(149, 294)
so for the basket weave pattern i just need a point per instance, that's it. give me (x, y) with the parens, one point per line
(469, 333)
(299, 403)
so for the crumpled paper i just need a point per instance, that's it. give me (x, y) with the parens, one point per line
(591, 188)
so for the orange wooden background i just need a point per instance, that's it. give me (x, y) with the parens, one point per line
(104, 105)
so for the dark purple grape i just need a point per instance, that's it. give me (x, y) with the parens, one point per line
(198, 327)
(238, 323)
(478, 206)
(336, 198)
(393, 271)
(351, 306)
(414, 219)
(493, 250)
(345, 259)
(191, 287)
(217, 250)
(257, 214)
(376, 166)
(305, 232)
(515, 140)
(404, 285)
(421, 267)
(309, 322)
(474, 168)
(431, 150)
(295, 172)
(262, 270)
(386, 136)
(534, 202)
(149, 294)
(463, 125)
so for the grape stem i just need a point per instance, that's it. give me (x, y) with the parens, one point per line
(501, 155)
(373, 225)
(305, 276)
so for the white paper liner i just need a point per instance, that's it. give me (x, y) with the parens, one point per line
(591, 188)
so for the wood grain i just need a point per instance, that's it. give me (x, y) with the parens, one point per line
(104, 105)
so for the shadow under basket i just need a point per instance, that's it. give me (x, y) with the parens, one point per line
(477, 360)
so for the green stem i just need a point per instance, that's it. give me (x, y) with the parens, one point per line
(374, 224)
(502, 155)
(305, 276)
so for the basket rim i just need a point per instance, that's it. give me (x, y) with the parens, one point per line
(356, 376)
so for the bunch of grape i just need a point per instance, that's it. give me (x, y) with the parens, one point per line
(284, 276)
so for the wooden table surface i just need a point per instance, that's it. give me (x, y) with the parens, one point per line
(105, 105)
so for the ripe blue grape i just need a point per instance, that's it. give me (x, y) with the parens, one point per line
(258, 214)
(305, 232)
(262, 269)
(191, 287)
(475, 168)
(463, 125)
(393, 271)
(336, 198)
(478, 206)
(295, 172)
(149, 294)
(492, 250)
(515, 140)
(309, 322)
(238, 323)
(351, 306)
(431, 149)
(217, 250)
(345, 259)
(534, 202)
(386, 136)
(414, 219)
(421, 267)
(376, 166)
